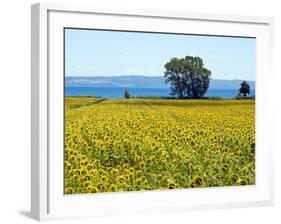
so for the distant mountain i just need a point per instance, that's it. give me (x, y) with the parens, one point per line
(229, 84)
(118, 81)
(143, 82)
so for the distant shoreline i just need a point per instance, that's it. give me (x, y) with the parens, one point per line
(118, 92)
(165, 98)
(144, 82)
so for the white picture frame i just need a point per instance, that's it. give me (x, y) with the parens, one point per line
(47, 198)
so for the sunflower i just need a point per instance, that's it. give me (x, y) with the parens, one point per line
(131, 170)
(129, 188)
(90, 167)
(138, 174)
(138, 181)
(92, 189)
(104, 179)
(114, 172)
(101, 187)
(120, 179)
(69, 190)
(113, 188)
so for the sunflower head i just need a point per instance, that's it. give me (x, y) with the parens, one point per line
(234, 178)
(196, 182)
(171, 186)
(77, 172)
(125, 166)
(92, 189)
(103, 178)
(242, 182)
(87, 183)
(114, 172)
(101, 187)
(69, 190)
(113, 188)
(142, 164)
(129, 188)
(225, 168)
(84, 172)
(131, 170)
(138, 174)
(101, 172)
(138, 181)
(87, 177)
(120, 179)
(90, 167)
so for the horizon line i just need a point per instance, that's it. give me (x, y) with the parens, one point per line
(154, 76)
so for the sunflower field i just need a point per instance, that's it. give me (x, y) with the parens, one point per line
(74, 102)
(152, 144)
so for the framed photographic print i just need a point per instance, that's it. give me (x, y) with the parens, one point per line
(138, 111)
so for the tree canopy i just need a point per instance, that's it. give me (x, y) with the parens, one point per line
(244, 89)
(188, 77)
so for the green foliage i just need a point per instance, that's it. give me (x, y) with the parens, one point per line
(244, 89)
(239, 97)
(126, 94)
(77, 102)
(213, 98)
(188, 77)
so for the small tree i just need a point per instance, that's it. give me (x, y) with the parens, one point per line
(244, 89)
(126, 94)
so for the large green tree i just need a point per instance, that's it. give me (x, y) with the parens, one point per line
(188, 77)
(244, 89)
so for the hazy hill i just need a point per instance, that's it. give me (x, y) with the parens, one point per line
(143, 82)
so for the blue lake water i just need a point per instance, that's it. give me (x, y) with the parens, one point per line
(118, 92)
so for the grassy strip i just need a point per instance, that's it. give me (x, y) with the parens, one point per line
(85, 104)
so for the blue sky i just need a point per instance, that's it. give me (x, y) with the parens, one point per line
(112, 53)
